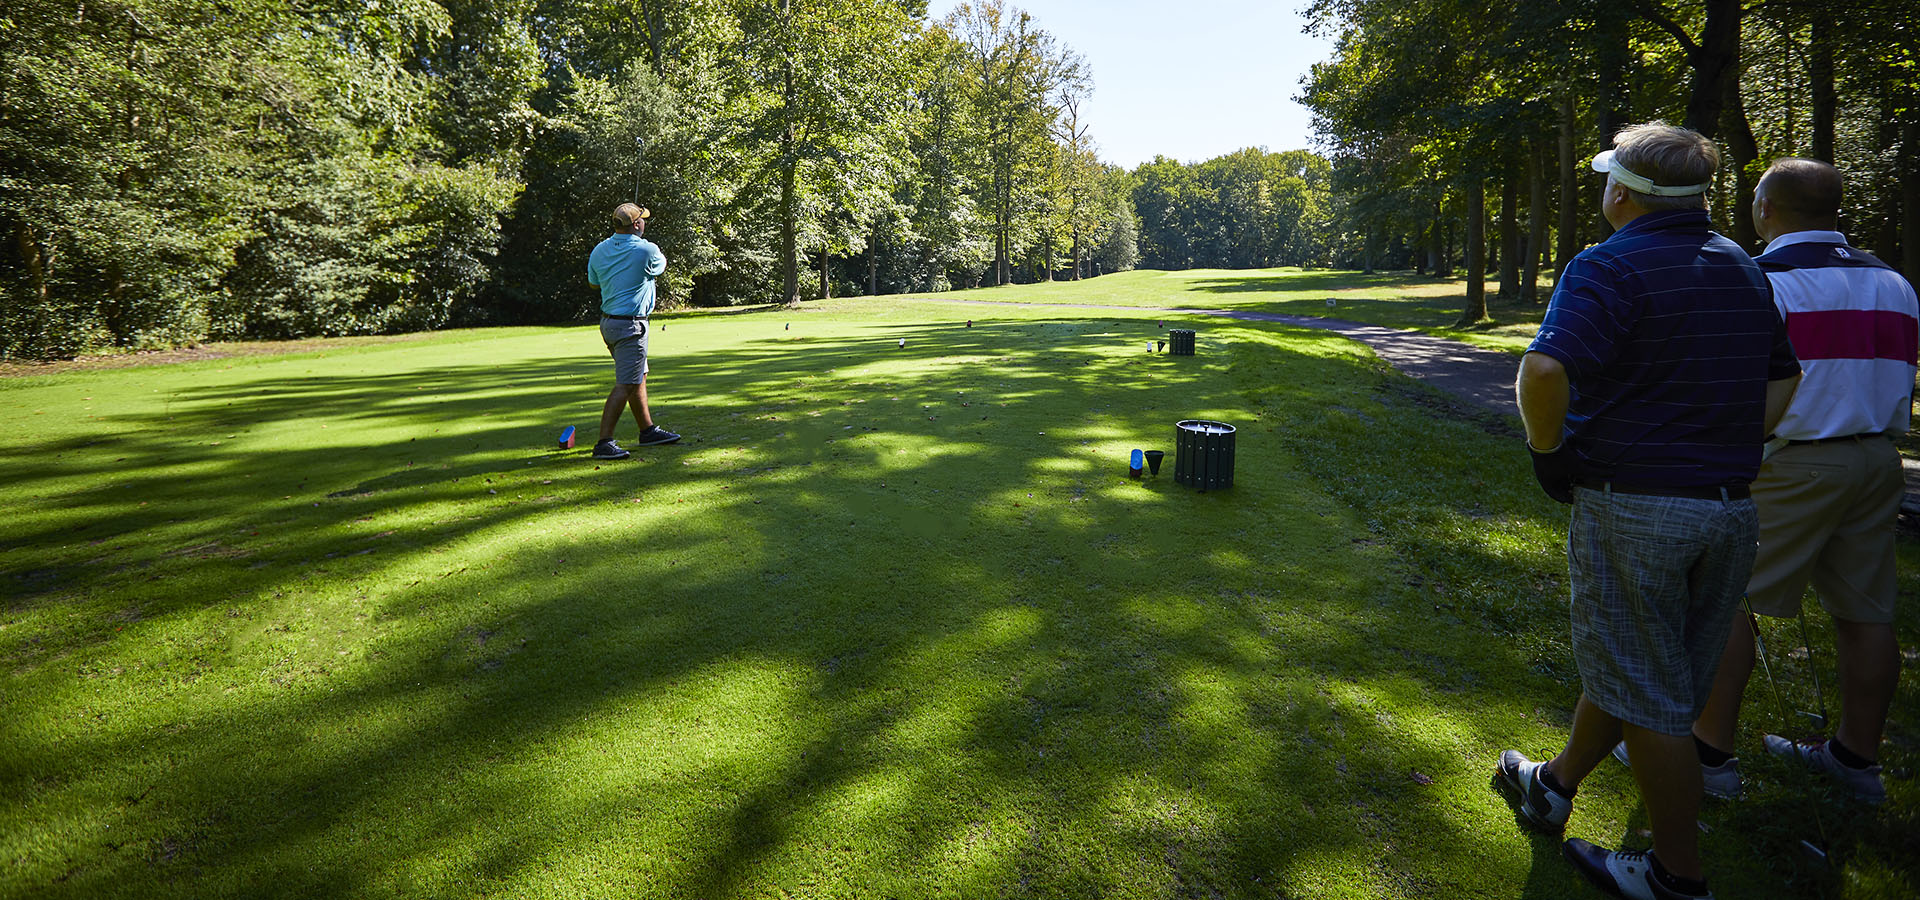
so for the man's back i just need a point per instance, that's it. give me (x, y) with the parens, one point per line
(1667, 337)
(624, 266)
(1855, 324)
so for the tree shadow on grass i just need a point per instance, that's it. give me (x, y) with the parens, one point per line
(1047, 683)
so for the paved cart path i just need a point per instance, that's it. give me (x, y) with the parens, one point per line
(1476, 374)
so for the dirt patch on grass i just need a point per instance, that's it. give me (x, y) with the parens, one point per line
(197, 353)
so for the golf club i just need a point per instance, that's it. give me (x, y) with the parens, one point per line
(1818, 852)
(1820, 696)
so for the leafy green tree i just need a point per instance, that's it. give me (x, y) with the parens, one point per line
(1115, 241)
(1165, 196)
(367, 226)
(821, 88)
(942, 239)
(147, 150)
(1020, 71)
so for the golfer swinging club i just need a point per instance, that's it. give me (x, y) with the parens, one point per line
(624, 267)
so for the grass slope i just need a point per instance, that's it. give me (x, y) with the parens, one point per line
(890, 622)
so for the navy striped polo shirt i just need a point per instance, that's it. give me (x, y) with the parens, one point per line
(1669, 336)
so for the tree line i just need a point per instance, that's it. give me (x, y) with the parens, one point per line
(182, 170)
(1450, 118)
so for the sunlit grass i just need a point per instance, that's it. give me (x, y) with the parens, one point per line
(1394, 299)
(890, 622)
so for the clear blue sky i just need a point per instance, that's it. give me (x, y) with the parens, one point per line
(1190, 80)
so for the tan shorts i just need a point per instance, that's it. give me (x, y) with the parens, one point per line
(1827, 516)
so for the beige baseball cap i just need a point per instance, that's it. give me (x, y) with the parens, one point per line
(628, 215)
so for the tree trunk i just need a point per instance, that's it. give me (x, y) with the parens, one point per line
(1510, 232)
(35, 260)
(1536, 224)
(789, 172)
(1569, 237)
(1366, 252)
(1003, 251)
(648, 18)
(1745, 151)
(826, 283)
(1613, 54)
(1820, 72)
(1909, 169)
(1608, 112)
(789, 255)
(873, 267)
(1436, 259)
(1886, 219)
(1715, 62)
(1476, 253)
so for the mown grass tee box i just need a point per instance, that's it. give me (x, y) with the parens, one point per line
(890, 621)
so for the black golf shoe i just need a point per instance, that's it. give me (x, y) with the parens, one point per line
(1622, 873)
(608, 449)
(656, 435)
(1541, 807)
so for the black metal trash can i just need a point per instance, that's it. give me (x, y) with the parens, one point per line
(1203, 454)
(1182, 341)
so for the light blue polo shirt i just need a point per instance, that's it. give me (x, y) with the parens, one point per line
(624, 266)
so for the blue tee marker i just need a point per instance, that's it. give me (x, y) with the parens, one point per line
(566, 438)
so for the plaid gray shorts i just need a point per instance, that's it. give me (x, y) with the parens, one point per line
(1656, 581)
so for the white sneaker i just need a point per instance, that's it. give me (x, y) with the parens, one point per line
(1865, 783)
(1721, 781)
(1541, 806)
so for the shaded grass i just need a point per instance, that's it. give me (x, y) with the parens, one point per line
(890, 622)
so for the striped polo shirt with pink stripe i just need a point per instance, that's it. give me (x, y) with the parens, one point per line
(1855, 325)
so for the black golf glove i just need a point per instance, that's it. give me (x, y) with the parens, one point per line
(1554, 469)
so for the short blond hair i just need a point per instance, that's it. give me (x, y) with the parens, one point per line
(1668, 156)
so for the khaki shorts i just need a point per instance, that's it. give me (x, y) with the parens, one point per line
(1827, 516)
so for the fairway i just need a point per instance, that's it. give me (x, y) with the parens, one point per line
(1393, 299)
(891, 621)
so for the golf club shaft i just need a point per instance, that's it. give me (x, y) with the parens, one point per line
(1786, 718)
(1820, 695)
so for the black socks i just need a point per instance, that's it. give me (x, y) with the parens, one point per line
(1553, 784)
(1846, 757)
(1709, 754)
(1672, 882)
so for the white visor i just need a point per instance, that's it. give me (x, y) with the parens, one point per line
(1604, 162)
